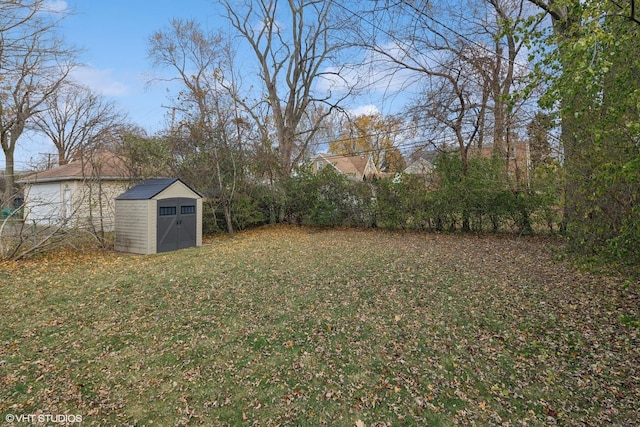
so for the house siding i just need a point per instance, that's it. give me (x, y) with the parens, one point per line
(72, 203)
(94, 203)
(133, 228)
(43, 203)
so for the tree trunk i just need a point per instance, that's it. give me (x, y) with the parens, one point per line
(9, 175)
(226, 198)
(227, 217)
(566, 25)
(571, 128)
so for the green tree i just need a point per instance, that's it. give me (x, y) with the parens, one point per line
(147, 157)
(595, 80)
(538, 138)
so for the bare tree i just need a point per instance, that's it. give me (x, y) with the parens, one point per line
(466, 65)
(33, 64)
(207, 139)
(77, 119)
(508, 71)
(20, 239)
(454, 104)
(403, 37)
(292, 44)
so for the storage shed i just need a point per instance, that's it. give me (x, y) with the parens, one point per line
(158, 215)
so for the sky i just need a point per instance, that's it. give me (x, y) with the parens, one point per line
(112, 36)
(113, 39)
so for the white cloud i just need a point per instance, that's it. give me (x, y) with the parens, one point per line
(100, 81)
(374, 74)
(337, 80)
(55, 6)
(362, 110)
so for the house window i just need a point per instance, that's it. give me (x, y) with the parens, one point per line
(167, 211)
(319, 164)
(185, 210)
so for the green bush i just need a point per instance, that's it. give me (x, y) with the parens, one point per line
(400, 202)
(480, 200)
(247, 212)
(211, 217)
(625, 247)
(326, 199)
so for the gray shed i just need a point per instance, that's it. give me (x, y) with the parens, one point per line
(158, 215)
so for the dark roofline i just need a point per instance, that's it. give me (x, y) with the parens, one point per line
(190, 188)
(167, 182)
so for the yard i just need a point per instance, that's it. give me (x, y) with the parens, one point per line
(295, 326)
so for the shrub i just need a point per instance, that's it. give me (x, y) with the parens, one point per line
(248, 212)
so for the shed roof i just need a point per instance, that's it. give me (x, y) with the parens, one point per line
(150, 188)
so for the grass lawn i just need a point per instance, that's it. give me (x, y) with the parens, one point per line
(292, 326)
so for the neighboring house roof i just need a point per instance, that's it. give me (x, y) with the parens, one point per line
(150, 188)
(419, 167)
(357, 166)
(105, 165)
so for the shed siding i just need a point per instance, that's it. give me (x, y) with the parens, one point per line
(132, 227)
(136, 217)
(152, 229)
(177, 189)
(199, 222)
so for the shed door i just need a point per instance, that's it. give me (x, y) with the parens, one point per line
(176, 224)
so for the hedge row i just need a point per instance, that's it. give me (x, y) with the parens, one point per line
(482, 199)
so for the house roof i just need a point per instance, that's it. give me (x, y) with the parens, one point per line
(348, 165)
(421, 166)
(150, 188)
(106, 165)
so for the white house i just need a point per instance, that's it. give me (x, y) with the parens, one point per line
(80, 193)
